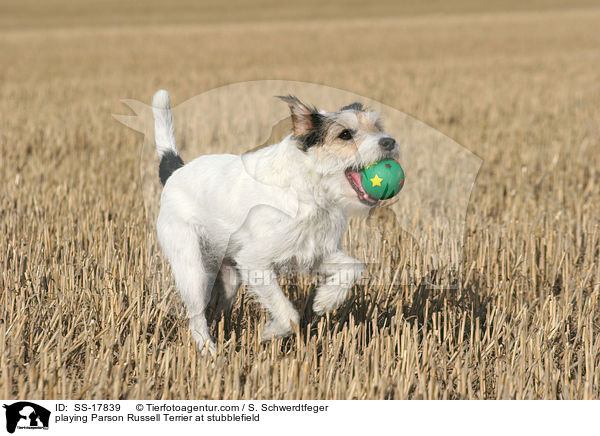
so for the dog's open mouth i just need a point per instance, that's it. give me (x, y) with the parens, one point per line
(354, 178)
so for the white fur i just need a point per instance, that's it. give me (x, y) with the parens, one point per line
(163, 123)
(246, 218)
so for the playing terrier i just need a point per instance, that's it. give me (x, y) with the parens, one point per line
(226, 219)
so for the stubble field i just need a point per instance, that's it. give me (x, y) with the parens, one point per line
(87, 305)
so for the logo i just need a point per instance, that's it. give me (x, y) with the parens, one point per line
(26, 415)
(431, 218)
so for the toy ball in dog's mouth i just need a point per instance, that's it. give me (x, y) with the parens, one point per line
(377, 181)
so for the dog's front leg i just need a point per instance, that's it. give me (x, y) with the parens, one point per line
(341, 272)
(283, 315)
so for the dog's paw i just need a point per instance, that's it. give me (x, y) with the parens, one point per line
(207, 347)
(273, 329)
(327, 300)
(322, 307)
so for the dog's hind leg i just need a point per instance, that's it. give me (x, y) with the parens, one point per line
(194, 278)
(225, 289)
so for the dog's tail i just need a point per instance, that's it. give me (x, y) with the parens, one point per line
(164, 135)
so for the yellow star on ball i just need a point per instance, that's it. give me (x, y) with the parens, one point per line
(376, 181)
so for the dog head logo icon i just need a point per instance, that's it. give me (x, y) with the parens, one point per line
(430, 210)
(26, 415)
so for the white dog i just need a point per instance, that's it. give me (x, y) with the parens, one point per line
(226, 218)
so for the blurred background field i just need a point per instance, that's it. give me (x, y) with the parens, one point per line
(517, 83)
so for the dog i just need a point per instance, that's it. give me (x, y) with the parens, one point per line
(230, 219)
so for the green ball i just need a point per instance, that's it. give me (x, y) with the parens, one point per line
(382, 180)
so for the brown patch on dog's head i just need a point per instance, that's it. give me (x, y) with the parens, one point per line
(368, 120)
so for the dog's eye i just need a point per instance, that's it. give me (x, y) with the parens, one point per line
(346, 135)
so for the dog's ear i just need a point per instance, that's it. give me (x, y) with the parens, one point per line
(308, 124)
(303, 117)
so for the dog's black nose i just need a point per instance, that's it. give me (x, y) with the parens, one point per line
(387, 143)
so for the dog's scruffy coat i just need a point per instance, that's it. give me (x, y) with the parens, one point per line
(227, 218)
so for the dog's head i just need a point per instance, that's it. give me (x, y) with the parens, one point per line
(340, 144)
